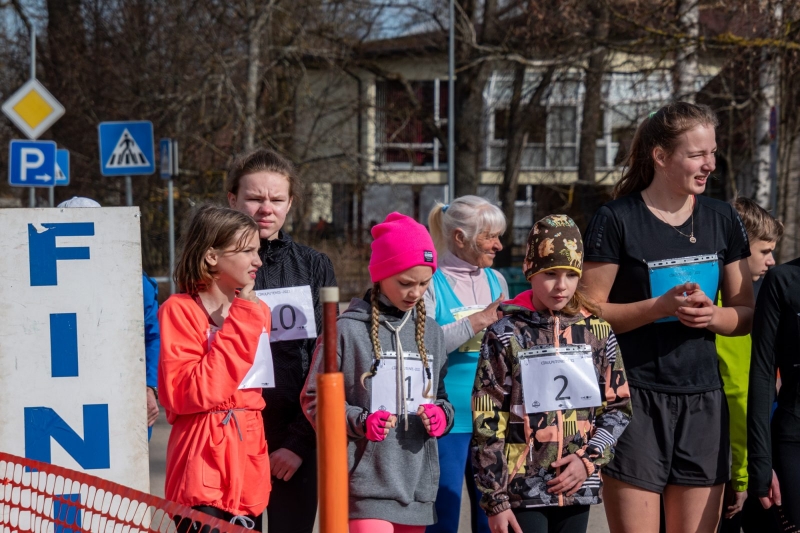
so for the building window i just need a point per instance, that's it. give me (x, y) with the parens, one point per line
(553, 139)
(405, 133)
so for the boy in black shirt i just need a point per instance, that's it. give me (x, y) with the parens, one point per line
(773, 465)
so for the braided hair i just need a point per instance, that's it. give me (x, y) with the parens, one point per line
(419, 334)
(373, 333)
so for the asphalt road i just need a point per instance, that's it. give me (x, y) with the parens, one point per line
(158, 456)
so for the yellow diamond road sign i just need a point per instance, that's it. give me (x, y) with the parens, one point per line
(33, 109)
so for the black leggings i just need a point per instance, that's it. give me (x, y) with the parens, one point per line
(293, 504)
(751, 519)
(185, 525)
(786, 518)
(787, 467)
(570, 519)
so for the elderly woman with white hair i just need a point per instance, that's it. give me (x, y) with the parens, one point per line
(465, 293)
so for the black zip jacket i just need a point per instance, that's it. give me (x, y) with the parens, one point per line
(289, 264)
(776, 346)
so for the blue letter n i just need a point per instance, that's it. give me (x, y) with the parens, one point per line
(91, 452)
(43, 252)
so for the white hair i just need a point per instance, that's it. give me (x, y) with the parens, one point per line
(79, 201)
(471, 214)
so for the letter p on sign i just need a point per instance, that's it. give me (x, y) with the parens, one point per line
(32, 163)
(32, 158)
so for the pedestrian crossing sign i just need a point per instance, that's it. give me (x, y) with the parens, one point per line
(126, 148)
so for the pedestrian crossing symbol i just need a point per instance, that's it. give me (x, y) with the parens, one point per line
(127, 153)
(126, 148)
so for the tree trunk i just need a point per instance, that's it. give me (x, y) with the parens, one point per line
(768, 76)
(788, 211)
(519, 116)
(469, 85)
(469, 111)
(256, 20)
(686, 70)
(593, 95)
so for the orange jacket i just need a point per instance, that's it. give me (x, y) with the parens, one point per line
(208, 463)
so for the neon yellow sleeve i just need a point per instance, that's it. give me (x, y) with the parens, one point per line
(734, 365)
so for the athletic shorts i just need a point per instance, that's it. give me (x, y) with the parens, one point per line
(674, 439)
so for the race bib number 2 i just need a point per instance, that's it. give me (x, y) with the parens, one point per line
(292, 313)
(560, 378)
(384, 383)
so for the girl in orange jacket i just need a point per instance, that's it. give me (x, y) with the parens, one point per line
(217, 460)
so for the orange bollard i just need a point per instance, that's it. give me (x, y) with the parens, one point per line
(331, 432)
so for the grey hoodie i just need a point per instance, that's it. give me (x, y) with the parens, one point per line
(395, 479)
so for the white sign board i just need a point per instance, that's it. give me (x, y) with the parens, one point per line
(72, 341)
(292, 313)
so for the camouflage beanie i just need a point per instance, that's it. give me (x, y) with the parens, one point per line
(554, 242)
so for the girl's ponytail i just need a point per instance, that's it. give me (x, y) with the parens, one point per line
(436, 227)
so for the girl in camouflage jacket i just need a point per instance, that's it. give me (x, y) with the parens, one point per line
(537, 454)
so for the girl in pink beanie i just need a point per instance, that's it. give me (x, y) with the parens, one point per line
(393, 360)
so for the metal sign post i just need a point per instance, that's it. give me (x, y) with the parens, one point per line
(32, 191)
(33, 110)
(168, 150)
(128, 191)
(451, 109)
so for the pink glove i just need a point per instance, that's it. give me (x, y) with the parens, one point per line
(375, 424)
(437, 419)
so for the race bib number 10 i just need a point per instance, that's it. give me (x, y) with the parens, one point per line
(559, 378)
(384, 383)
(292, 313)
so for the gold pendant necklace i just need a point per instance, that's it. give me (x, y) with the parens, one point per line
(691, 237)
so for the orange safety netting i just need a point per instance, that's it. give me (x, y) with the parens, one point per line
(45, 498)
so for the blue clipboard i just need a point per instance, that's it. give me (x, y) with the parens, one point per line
(700, 269)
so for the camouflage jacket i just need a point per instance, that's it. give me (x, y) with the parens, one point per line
(512, 451)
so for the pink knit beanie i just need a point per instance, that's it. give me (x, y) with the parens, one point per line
(399, 243)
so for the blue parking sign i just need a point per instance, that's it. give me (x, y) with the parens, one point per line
(32, 163)
(62, 167)
(126, 148)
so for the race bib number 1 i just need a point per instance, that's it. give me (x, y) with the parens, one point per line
(384, 383)
(559, 378)
(292, 313)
